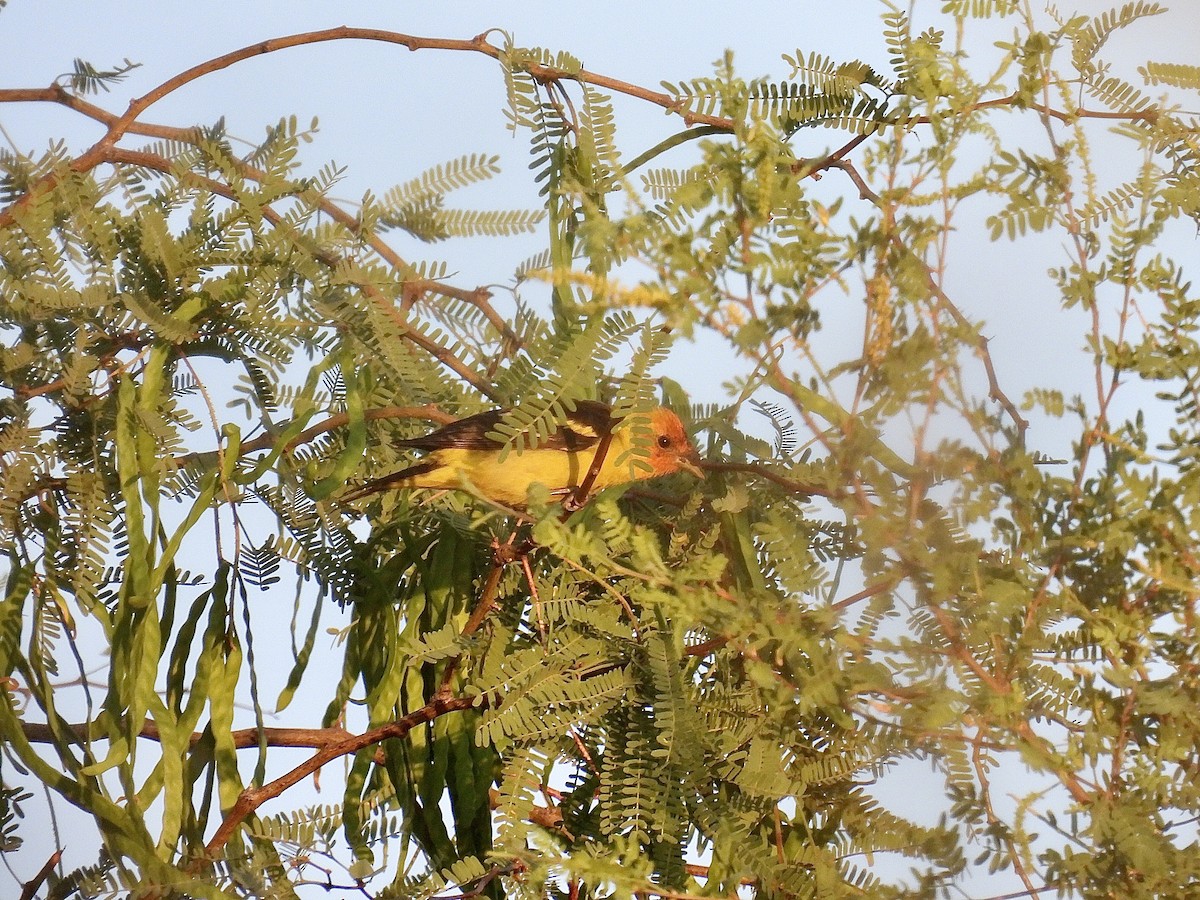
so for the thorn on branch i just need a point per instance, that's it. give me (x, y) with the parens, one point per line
(30, 888)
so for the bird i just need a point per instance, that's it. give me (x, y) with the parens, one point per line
(463, 452)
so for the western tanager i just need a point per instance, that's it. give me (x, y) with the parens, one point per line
(462, 452)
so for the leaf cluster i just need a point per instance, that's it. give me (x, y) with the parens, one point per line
(682, 688)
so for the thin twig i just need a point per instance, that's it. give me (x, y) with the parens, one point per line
(796, 487)
(985, 788)
(331, 260)
(428, 412)
(870, 591)
(995, 392)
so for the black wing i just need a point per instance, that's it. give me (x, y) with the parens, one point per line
(465, 434)
(584, 427)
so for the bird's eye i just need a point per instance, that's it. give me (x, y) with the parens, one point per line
(664, 441)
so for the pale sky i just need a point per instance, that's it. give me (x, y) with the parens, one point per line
(387, 114)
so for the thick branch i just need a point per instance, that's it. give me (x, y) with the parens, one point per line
(56, 93)
(244, 738)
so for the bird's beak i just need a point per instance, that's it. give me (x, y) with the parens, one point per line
(690, 462)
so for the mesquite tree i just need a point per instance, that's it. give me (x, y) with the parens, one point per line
(682, 688)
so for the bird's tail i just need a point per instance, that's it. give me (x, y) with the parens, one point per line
(402, 479)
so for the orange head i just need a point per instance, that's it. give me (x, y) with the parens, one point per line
(671, 450)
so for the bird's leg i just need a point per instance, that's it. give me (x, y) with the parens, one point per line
(510, 551)
(533, 596)
(579, 497)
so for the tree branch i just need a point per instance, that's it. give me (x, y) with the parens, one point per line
(332, 423)
(995, 392)
(870, 591)
(244, 738)
(252, 798)
(120, 125)
(503, 555)
(331, 260)
(30, 888)
(795, 487)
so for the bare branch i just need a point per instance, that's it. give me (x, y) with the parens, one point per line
(126, 122)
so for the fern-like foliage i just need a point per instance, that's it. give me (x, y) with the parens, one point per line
(418, 206)
(1119, 94)
(980, 9)
(1174, 74)
(798, 105)
(85, 78)
(690, 686)
(1090, 39)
